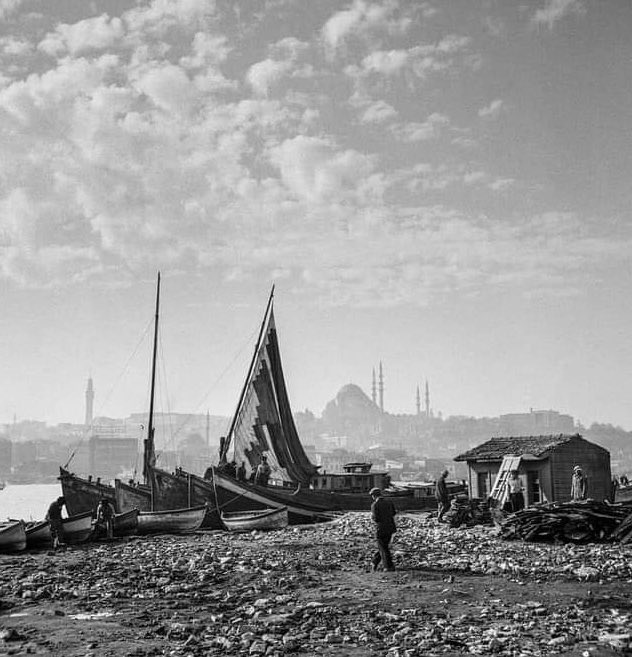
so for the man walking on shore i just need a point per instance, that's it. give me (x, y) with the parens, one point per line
(383, 514)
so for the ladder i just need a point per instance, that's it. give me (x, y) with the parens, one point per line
(499, 489)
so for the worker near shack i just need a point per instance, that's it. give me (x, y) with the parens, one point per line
(578, 484)
(105, 516)
(442, 496)
(54, 518)
(514, 487)
(383, 514)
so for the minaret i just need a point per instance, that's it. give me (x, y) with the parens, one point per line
(418, 402)
(89, 403)
(427, 400)
(374, 389)
(381, 388)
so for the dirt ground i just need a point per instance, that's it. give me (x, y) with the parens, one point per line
(310, 591)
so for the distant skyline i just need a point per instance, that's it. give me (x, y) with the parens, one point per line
(440, 186)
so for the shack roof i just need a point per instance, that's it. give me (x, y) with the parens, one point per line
(496, 448)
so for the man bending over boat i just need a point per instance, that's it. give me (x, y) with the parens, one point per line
(54, 518)
(383, 514)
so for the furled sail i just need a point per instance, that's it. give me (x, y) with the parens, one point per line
(263, 423)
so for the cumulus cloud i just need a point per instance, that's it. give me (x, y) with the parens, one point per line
(491, 111)
(262, 75)
(97, 33)
(428, 129)
(361, 19)
(555, 10)
(378, 112)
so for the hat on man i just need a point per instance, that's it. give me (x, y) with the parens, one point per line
(576, 468)
(375, 492)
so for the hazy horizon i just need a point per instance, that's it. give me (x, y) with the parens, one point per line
(440, 186)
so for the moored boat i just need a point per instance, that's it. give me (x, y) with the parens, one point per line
(174, 521)
(262, 520)
(12, 536)
(81, 494)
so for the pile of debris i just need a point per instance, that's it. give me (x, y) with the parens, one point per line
(570, 522)
(469, 512)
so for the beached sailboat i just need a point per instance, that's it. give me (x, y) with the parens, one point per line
(12, 536)
(159, 490)
(157, 519)
(263, 426)
(261, 520)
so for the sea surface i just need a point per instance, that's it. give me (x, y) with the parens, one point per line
(27, 501)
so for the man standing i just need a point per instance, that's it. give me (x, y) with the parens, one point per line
(105, 516)
(383, 514)
(263, 472)
(516, 497)
(54, 518)
(578, 484)
(441, 495)
(241, 472)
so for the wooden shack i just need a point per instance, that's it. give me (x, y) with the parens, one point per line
(545, 466)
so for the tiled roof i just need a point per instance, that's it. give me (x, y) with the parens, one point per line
(496, 448)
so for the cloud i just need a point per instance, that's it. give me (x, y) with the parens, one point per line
(555, 10)
(361, 19)
(97, 33)
(8, 7)
(378, 112)
(262, 75)
(314, 169)
(491, 111)
(428, 129)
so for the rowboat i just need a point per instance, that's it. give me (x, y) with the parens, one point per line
(259, 520)
(12, 536)
(77, 529)
(174, 521)
(126, 523)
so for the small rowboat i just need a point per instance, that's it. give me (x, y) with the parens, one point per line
(259, 520)
(77, 529)
(12, 536)
(174, 521)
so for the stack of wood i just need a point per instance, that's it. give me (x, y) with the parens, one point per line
(570, 522)
(468, 512)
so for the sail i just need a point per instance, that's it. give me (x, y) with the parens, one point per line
(263, 424)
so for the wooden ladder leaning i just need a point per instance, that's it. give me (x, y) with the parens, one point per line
(499, 490)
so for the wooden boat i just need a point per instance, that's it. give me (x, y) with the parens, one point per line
(126, 523)
(263, 520)
(174, 521)
(12, 536)
(77, 529)
(81, 494)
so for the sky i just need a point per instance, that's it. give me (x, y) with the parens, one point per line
(441, 186)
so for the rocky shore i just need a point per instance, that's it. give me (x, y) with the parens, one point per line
(309, 591)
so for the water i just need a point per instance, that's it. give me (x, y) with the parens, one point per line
(27, 501)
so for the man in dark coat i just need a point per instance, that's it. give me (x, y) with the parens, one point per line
(383, 514)
(54, 518)
(442, 496)
(105, 516)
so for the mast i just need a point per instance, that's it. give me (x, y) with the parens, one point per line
(149, 456)
(250, 369)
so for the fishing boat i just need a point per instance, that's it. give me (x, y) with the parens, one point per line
(175, 521)
(81, 494)
(124, 524)
(12, 536)
(262, 520)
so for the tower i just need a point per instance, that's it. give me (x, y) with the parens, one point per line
(427, 400)
(374, 389)
(89, 403)
(418, 399)
(381, 388)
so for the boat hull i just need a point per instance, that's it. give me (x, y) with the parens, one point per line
(173, 521)
(12, 536)
(83, 495)
(264, 520)
(234, 496)
(77, 528)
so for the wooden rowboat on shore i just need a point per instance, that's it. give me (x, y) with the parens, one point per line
(12, 536)
(77, 529)
(259, 520)
(174, 521)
